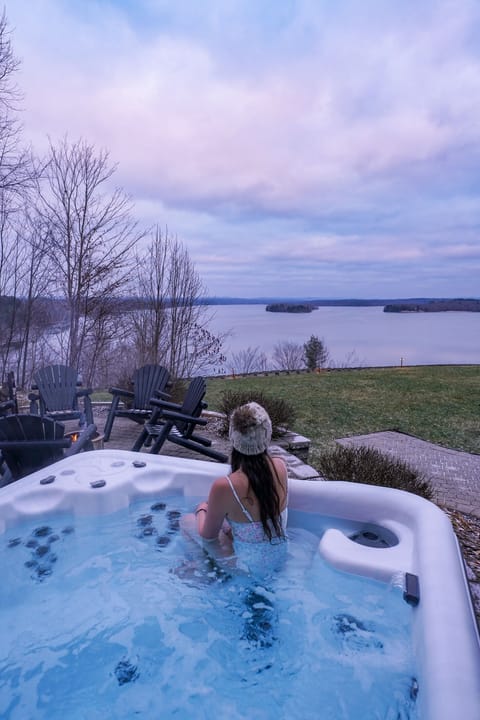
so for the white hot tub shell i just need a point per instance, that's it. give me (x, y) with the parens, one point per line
(446, 640)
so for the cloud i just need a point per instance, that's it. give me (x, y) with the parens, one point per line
(463, 250)
(334, 132)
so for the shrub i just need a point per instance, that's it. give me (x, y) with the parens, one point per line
(281, 412)
(177, 390)
(124, 381)
(366, 465)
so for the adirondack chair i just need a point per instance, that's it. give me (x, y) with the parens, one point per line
(148, 381)
(32, 442)
(9, 406)
(58, 393)
(176, 423)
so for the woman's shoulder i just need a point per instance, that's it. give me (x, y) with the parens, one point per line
(238, 479)
(221, 483)
(224, 483)
(280, 466)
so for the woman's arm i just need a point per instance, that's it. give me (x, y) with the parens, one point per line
(210, 515)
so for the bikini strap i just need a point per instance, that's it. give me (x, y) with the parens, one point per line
(244, 509)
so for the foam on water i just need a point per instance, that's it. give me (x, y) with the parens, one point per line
(122, 617)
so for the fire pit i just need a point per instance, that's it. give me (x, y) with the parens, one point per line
(97, 439)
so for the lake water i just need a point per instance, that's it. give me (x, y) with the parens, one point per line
(355, 336)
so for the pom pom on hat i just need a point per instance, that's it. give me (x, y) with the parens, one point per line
(250, 429)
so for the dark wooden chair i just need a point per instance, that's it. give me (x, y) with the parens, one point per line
(58, 394)
(177, 423)
(148, 381)
(8, 404)
(31, 442)
(7, 407)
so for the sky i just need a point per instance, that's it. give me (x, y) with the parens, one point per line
(298, 148)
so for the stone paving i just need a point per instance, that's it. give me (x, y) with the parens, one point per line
(454, 475)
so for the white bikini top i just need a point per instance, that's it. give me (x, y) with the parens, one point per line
(283, 514)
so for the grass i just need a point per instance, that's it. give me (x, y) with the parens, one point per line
(440, 404)
(101, 396)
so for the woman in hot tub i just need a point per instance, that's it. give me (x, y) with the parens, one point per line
(246, 511)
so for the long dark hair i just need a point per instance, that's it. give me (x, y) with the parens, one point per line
(261, 477)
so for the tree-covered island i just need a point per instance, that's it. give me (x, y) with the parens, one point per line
(291, 307)
(460, 304)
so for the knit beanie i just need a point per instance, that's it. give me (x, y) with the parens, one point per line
(250, 429)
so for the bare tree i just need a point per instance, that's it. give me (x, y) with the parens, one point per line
(23, 279)
(351, 360)
(15, 162)
(288, 355)
(12, 258)
(91, 237)
(16, 175)
(34, 284)
(172, 328)
(102, 356)
(249, 361)
(9, 295)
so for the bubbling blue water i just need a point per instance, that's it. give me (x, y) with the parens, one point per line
(121, 617)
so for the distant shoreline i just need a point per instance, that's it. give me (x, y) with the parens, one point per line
(338, 302)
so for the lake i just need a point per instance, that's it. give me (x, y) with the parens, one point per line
(355, 336)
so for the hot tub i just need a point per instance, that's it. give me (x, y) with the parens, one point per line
(387, 535)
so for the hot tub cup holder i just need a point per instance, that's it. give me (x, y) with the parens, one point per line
(375, 536)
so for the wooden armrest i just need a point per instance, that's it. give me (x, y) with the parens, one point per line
(161, 395)
(120, 391)
(83, 392)
(170, 415)
(33, 444)
(165, 404)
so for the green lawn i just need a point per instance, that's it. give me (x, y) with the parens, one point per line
(436, 403)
